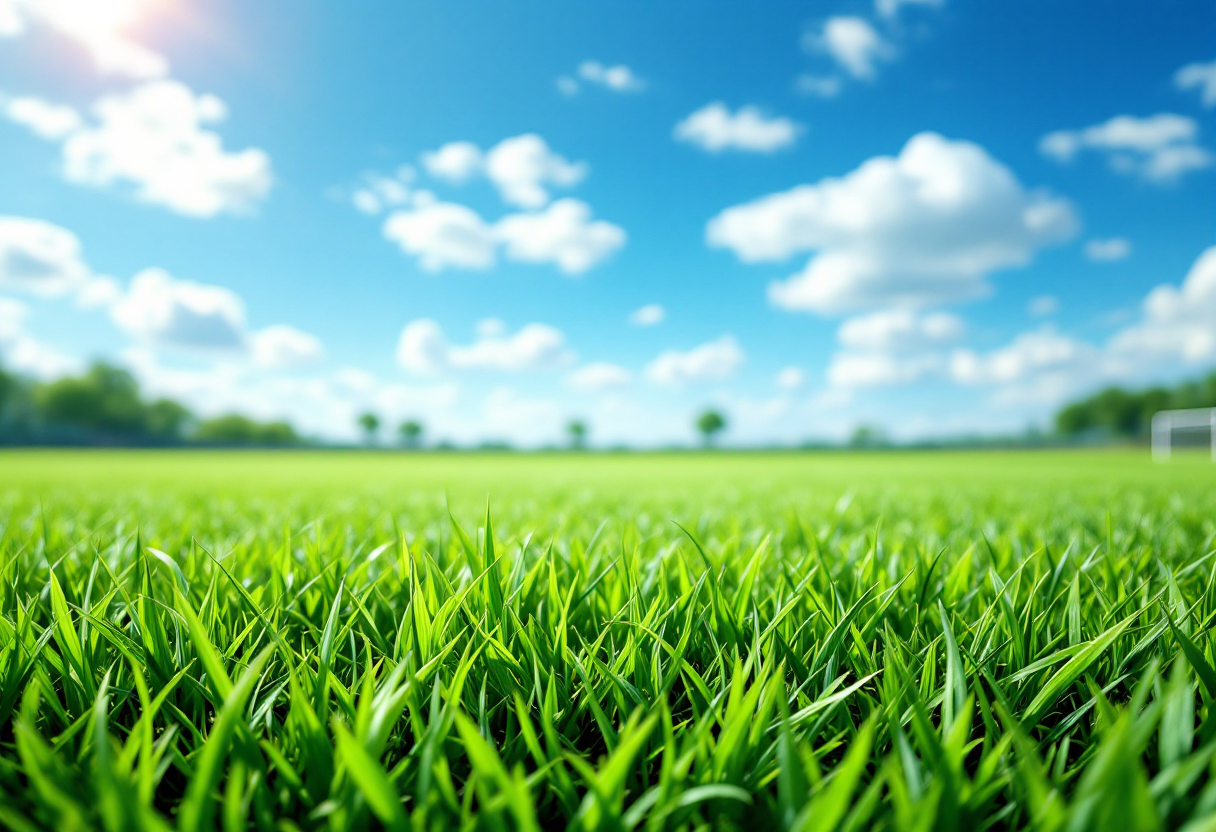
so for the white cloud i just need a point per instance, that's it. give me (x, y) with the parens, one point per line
(283, 347)
(619, 78)
(715, 128)
(899, 330)
(455, 162)
(821, 86)
(1029, 353)
(1178, 323)
(925, 227)
(712, 361)
(162, 311)
(648, 315)
(893, 346)
(423, 348)
(1043, 367)
(1201, 77)
(854, 44)
(563, 234)
(99, 26)
(443, 234)
(46, 120)
(1158, 148)
(39, 257)
(790, 378)
(567, 85)
(599, 376)
(21, 353)
(380, 192)
(1043, 305)
(522, 167)
(1108, 251)
(890, 8)
(152, 138)
(880, 369)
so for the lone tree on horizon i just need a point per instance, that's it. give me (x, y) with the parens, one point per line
(577, 429)
(370, 423)
(411, 433)
(710, 423)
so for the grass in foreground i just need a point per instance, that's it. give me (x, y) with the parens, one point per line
(964, 649)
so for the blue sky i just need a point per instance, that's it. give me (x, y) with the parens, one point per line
(934, 217)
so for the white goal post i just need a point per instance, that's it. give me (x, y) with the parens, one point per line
(1166, 421)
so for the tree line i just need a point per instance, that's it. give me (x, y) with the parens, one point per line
(104, 406)
(1116, 412)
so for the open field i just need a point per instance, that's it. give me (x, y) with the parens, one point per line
(904, 641)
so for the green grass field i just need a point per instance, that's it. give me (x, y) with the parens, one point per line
(903, 641)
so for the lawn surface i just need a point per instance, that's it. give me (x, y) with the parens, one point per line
(911, 640)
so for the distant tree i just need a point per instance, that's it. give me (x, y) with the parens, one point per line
(867, 436)
(370, 423)
(1129, 413)
(578, 433)
(16, 404)
(166, 419)
(411, 433)
(104, 400)
(235, 429)
(710, 423)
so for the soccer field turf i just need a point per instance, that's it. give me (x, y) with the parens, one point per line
(911, 640)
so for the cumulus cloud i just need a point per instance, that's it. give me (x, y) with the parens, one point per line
(43, 118)
(1040, 350)
(163, 311)
(924, 227)
(379, 192)
(712, 361)
(444, 234)
(40, 257)
(619, 78)
(1200, 77)
(1176, 327)
(1178, 323)
(899, 329)
(455, 162)
(21, 352)
(524, 167)
(1109, 250)
(715, 128)
(599, 376)
(648, 315)
(99, 26)
(880, 369)
(283, 347)
(893, 346)
(853, 43)
(1159, 148)
(563, 234)
(423, 348)
(154, 140)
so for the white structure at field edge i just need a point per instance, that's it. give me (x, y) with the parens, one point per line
(1166, 421)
